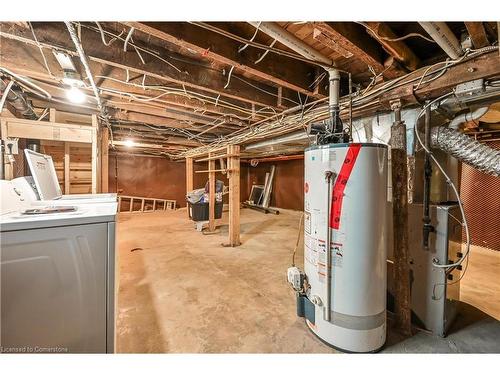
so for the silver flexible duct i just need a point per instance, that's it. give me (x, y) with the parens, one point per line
(467, 150)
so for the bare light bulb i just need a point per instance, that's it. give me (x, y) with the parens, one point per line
(75, 95)
(129, 143)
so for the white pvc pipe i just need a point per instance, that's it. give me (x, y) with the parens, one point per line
(443, 36)
(291, 41)
(466, 117)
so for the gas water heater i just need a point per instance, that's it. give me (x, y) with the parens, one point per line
(342, 292)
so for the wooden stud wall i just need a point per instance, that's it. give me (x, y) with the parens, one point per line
(80, 156)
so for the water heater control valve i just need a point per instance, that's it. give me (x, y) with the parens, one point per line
(296, 278)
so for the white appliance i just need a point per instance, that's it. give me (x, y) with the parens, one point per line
(57, 277)
(43, 187)
(343, 297)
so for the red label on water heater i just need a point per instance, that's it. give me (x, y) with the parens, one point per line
(340, 184)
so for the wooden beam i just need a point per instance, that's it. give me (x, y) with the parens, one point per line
(477, 34)
(94, 160)
(353, 38)
(67, 183)
(52, 115)
(46, 130)
(189, 177)
(328, 41)
(21, 58)
(55, 36)
(484, 66)
(397, 49)
(399, 167)
(211, 195)
(279, 70)
(104, 160)
(233, 164)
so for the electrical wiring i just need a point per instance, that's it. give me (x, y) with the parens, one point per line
(183, 92)
(265, 91)
(298, 239)
(266, 52)
(229, 77)
(189, 94)
(241, 49)
(449, 182)
(255, 44)
(107, 44)
(409, 35)
(129, 35)
(41, 50)
(145, 50)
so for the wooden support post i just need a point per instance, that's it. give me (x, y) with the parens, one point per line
(142, 205)
(104, 160)
(211, 195)
(52, 115)
(233, 164)
(189, 178)
(94, 154)
(131, 204)
(67, 183)
(399, 165)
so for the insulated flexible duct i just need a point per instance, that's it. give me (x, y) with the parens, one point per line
(467, 150)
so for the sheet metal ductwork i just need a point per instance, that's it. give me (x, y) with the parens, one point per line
(467, 150)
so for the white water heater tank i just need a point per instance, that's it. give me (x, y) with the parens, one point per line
(345, 209)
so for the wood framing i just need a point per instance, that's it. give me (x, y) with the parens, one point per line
(55, 132)
(477, 34)
(104, 160)
(189, 178)
(54, 36)
(397, 49)
(351, 37)
(225, 51)
(66, 168)
(156, 204)
(211, 195)
(46, 130)
(233, 164)
(95, 159)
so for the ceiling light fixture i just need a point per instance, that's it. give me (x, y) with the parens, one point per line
(129, 143)
(75, 95)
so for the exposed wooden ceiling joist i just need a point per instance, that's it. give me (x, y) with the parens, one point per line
(279, 70)
(396, 48)
(54, 36)
(353, 38)
(477, 33)
(26, 60)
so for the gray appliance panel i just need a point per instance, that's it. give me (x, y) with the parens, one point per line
(53, 288)
(112, 289)
(433, 297)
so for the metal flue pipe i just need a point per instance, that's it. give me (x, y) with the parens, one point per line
(291, 41)
(444, 37)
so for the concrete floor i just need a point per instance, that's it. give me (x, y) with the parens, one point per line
(181, 291)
